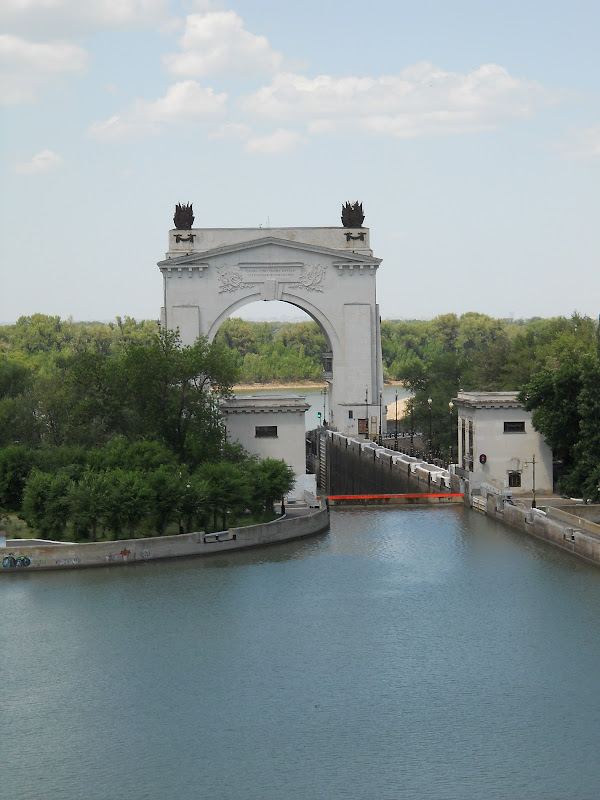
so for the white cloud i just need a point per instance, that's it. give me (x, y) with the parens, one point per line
(45, 161)
(52, 16)
(217, 43)
(420, 100)
(278, 143)
(28, 66)
(186, 101)
(122, 129)
(232, 131)
(587, 144)
(53, 57)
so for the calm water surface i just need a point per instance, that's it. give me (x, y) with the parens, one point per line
(405, 654)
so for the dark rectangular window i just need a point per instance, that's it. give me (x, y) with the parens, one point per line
(265, 430)
(351, 415)
(514, 427)
(514, 479)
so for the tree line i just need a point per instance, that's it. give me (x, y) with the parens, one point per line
(64, 383)
(112, 427)
(124, 488)
(268, 352)
(554, 365)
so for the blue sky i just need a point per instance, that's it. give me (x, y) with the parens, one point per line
(469, 130)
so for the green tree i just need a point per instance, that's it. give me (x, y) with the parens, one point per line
(270, 479)
(88, 503)
(16, 463)
(584, 477)
(46, 502)
(546, 344)
(565, 404)
(174, 392)
(227, 490)
(194, 502)
(138, 456)
(130, 496)
(164, 497)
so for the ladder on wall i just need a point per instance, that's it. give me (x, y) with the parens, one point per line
(322, 463)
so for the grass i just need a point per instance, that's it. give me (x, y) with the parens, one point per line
(18, 529)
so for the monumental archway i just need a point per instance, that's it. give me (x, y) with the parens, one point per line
(330, 273)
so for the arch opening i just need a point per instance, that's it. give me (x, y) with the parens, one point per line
(272, 349)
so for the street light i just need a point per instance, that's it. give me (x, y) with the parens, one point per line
(451, 407)
(412, 429)
(396, 434)
(324, 393)
(430, 403)
(366, 412)
(527, 463)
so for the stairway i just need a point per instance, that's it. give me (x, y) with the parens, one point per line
(323, 463)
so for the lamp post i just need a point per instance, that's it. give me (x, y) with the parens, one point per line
(527, 463)
(366, 412)
(412, 429)
(430, 403)
(396, 432)
(324, 393)
(380, 396)
(451, 407)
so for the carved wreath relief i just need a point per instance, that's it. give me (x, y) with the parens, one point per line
(231, 279)
(312, 279)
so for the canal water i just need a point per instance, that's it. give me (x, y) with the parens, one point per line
(406, 653)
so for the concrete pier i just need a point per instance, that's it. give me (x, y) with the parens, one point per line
(20, 555)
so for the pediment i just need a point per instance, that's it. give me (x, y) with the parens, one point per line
(347, 257)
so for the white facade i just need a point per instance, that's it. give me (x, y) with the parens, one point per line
(208, 274)
(272, 426)
(497, 444)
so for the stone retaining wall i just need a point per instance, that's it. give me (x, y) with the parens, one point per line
(127, 551)
(560, 529)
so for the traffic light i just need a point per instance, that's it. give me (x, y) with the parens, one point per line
(318, 415)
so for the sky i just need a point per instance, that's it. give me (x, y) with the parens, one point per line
(468, 129)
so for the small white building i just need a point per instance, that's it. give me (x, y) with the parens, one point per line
(498, 445)
(272, 426)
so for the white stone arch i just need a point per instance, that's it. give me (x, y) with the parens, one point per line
(330, 273)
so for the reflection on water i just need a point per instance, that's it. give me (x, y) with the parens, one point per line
(405, 653)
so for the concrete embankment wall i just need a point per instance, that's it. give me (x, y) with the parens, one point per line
(127, 551)
(554, 526)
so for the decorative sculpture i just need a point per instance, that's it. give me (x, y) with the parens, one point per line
(352, 215)
(184, 217)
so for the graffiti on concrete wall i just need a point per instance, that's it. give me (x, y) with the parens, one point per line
(65, 562)
(8, 562)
